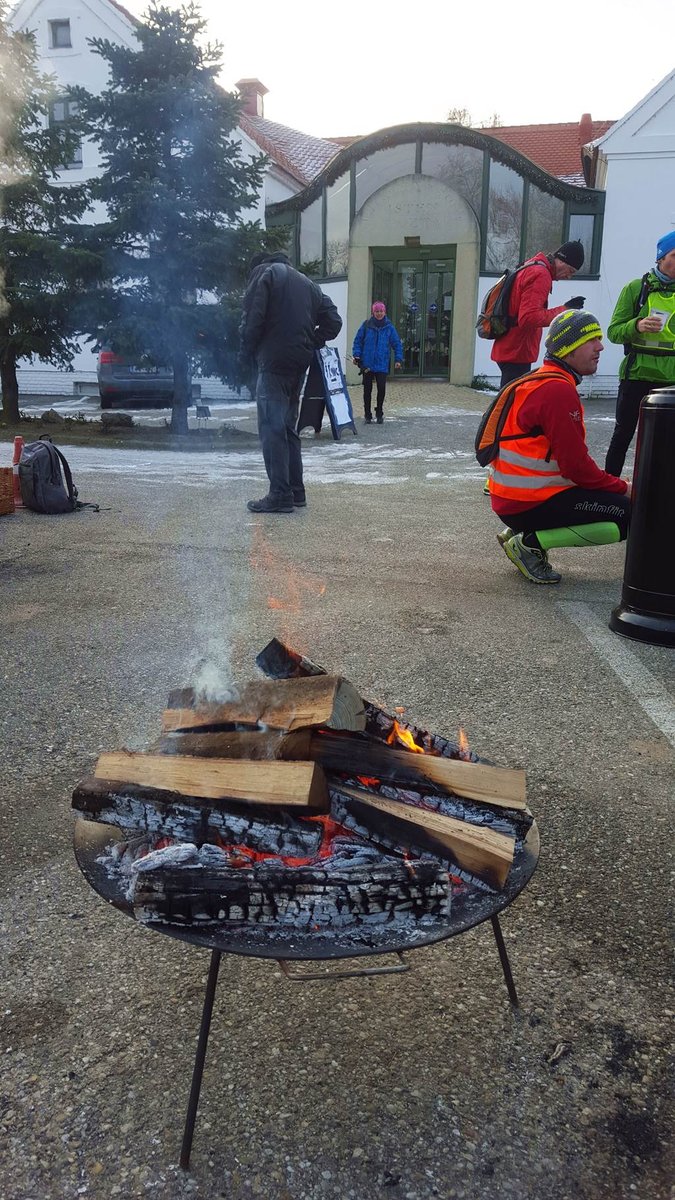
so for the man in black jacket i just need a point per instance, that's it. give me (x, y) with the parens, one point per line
(286, 318)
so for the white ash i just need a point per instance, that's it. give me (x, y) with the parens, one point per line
(363, 888)
(184, 822)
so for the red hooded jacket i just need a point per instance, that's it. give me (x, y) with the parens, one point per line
(527, 303)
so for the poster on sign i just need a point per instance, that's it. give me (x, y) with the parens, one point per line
(338, 403)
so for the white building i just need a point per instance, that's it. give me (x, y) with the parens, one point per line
(424, 216)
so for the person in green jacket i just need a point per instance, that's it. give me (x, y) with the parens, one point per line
(644, 320)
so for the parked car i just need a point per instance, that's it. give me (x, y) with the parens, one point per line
(131, 383)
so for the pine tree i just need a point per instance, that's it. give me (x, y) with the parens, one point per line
(174, 184)
(44, 260)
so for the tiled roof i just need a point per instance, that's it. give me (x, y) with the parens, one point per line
(125, 11)
(556, 148)
(302, 155)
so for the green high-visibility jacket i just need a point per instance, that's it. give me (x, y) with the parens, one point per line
(655, 365)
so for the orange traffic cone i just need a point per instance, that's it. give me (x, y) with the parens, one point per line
(18, 447)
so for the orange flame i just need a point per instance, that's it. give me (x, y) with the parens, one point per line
(288, 590)
(463, 745)
(404, 736)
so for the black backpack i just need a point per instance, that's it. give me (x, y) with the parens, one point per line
(41, 481)
(494, 320)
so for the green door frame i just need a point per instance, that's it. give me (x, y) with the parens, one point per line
(397, 254)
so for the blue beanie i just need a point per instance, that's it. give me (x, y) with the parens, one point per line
(665, 244)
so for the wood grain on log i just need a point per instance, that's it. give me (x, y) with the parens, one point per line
(361, 755)
(316, 700)
(481, 851)
(295, 784)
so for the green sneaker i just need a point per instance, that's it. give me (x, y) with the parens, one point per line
(533, 564)
(505, 535)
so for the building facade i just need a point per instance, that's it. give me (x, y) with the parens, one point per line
(423, 216)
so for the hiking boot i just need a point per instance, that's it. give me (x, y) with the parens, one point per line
(533, 564)
(379, 418)
(505, 535)
(368, 419)
(299, 499)
(268, 504)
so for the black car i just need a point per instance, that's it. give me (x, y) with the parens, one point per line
(124, 382)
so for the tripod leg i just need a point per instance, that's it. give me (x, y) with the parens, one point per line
(504, 959)
(198, 1071)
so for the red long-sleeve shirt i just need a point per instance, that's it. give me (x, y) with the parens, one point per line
(527, 303)
(556, 408)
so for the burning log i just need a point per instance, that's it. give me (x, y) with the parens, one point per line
(358, 885)
(286, 704)
(361, 755)
(293, 784)
(480, 851)
(155, 812)
(239, 784)
(280, 662)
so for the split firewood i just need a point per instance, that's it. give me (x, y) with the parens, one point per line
(361, 755)
(279, 704)
(255, 745)
(294, 784)
(477, 850)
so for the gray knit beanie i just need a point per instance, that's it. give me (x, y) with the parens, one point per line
(569, 330)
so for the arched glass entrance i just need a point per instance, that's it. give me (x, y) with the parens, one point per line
(417, 285)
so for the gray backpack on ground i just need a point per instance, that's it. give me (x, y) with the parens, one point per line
(42, 481)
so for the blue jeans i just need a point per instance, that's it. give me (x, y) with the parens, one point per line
(277, 399)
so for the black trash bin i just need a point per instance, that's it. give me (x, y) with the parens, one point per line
(647, 608)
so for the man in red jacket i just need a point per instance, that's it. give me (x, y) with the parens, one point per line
(544, 484)
(517, 349)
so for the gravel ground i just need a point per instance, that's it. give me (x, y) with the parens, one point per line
(410, 1087)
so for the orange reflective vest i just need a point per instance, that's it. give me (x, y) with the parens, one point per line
(524, 469)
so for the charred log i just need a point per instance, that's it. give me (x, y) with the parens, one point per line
(356, 886)
(280, 662)
(149, 811)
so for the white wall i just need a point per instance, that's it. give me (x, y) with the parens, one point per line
(79, 65)
(590, 288)
(337, 291)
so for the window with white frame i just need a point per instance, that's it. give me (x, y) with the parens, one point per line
(59, 35)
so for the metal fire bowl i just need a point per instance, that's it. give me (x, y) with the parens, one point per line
(470, 906)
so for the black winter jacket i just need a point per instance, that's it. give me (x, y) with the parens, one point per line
(286, 318)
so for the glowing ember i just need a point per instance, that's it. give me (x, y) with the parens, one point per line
(405, 737)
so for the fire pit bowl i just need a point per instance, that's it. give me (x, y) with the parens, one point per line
(470, 906)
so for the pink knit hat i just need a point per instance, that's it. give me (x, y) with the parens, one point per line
(378, 304)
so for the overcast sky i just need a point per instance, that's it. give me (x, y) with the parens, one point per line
(350, 67)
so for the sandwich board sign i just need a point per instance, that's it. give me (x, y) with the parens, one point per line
(326, 385)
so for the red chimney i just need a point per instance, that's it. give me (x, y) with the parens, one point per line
(252, 92)
(585, 129)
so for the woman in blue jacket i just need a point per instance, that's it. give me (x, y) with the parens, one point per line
(371, 352)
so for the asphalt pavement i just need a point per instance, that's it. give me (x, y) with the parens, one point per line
(401, 1087)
